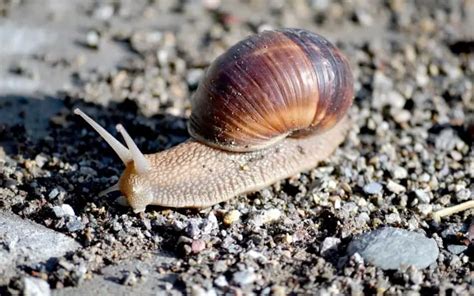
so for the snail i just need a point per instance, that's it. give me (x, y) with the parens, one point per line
(270, 107)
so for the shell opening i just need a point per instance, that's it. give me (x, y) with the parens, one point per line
(120, 149)
(142, 165)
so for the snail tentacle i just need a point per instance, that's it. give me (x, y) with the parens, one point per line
(115, 187)
(142, 165)
(122, 151)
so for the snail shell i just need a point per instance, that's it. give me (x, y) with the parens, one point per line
(268, 86)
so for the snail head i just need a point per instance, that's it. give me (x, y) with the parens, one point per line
(134, 179)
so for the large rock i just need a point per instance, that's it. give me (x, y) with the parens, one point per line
(25, 242)
(130, 277)
(394, 248)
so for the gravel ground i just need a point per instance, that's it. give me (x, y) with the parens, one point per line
(408, 154)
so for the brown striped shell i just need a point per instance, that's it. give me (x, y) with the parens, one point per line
(287, 82)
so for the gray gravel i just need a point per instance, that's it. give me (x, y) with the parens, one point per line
(408, 154)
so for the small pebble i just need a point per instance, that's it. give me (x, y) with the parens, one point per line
(92, 39)
(329, 244)
(422, 196)
(463, 195)
(74, 224)
(194, 76)
(362, 219)
(402, 116)
(63, 210)
(278, 291)
(129, 279)
(210, 224)
(2, 155)
(197, 246)
(446, 140)
(256, 255)
(395, 187)
(373, 188)
(35, 287)
(245, 277)
(231, 217)
(221, 281)
(53, 193)
(265, 217)
(416, 276)
(457, 249)
(192, 229)
(425, 209)
(400, 173)
(470, 232)
(41, 160)
(393, 218)
(456, 155)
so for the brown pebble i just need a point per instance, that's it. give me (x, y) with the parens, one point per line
(231, 217)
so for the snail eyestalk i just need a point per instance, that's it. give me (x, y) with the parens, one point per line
(452, 210)
(142, 165)
(120, 149)
(115, 187)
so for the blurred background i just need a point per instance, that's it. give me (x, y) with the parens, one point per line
(154, 52)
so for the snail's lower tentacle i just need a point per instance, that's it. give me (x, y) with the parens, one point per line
(452, 210)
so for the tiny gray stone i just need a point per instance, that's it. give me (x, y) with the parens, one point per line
(422, 196)
(265, 217)
(373, 188)
(192, 229)
(457, 249)
(395, 187)
(35, 287)
(400, 173)
(446, 140)
(193, 76)
(41, 160)
(210, 224)
(393, 248)
(463, 194)
(393, 218)
(221, 281)
(74, 224)
(416, 276)
(425, 209)
(92, 39)
(245, 277)
(63, 210)
(58, 211)
(53, 193)
(362, 219)
(328, 244)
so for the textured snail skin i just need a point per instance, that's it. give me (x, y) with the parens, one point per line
(196, 175)
(268, 86)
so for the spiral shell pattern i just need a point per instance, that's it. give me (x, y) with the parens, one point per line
(288, 82)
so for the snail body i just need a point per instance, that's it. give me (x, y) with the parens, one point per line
(273, 105)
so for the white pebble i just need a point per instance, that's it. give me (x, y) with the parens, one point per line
(266, 217)
(36, 287)
(395, 187)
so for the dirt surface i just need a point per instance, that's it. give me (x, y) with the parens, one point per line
(408, 154)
